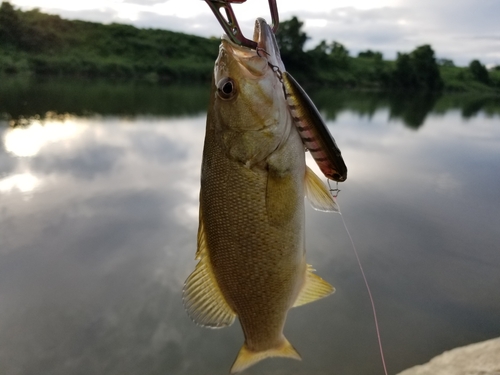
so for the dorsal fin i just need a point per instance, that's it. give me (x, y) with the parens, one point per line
(314, 288)
(202, 297)
(317, 193)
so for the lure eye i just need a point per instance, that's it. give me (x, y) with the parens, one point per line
(226, 88)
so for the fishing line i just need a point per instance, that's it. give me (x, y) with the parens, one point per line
(335, 193)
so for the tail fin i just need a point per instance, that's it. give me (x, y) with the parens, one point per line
(247, 357)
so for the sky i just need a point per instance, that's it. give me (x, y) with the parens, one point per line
(460, 30)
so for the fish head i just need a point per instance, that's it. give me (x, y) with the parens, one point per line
(248, 93)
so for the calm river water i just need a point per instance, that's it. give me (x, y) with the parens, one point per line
(98, 218)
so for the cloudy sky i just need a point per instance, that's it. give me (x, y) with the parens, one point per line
(460, 30)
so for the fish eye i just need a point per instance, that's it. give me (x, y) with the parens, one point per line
(226, 88)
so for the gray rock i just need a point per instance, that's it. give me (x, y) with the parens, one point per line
(482, 358)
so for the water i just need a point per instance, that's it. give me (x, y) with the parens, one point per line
(98, 217)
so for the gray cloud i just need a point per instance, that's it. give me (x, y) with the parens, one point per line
(402, 29)
(486, 37)
(203, 25)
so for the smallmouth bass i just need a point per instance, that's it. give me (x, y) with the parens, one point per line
(252, 223)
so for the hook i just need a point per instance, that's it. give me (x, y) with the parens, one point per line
(334, 191)
(230, 24)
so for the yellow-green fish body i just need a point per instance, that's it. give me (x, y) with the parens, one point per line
(253, 181)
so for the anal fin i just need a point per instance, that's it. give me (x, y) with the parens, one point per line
(314, 288)
(317, 193)
(202, 297)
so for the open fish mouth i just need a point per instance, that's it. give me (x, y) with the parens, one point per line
(267, 46)
(262, 33)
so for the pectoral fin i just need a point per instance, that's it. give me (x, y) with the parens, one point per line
(314, 288)
(202, 297)
(317, 193)
(279, 193)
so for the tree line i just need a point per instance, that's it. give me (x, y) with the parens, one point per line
(331, 64)
(39, 44)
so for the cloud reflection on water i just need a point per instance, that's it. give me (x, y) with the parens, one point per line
(92, 266)
(99, 254)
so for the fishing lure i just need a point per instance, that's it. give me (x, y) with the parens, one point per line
(312, 129)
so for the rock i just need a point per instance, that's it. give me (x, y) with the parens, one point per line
(482, 358)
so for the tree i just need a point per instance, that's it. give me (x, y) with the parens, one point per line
(479, 72)
(291, 40)
(369, 54)
(404, 75)
(417, 70)
(338, 50)
(290, 37)
(426, 68)
(319, 54)
(339, 55)
(10, 25)
(445, 62)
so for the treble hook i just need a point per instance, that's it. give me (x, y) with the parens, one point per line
(334, 191)
(230, 24)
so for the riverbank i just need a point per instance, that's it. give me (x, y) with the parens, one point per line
(482, 358)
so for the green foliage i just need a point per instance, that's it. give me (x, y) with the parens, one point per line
(462, 79)
(329, 56)
(425, 67)
(404, 74)
(291, 40)
(417, 70)
(13, 63)
(339, 55)
(445, 62)
(10, 25)
(42, 44)
(495, 77)
(369, 54)
(479, 72)
(290, 37)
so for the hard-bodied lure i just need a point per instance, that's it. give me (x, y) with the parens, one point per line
(313, 131)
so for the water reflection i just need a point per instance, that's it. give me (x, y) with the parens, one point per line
(22, 100)
(92, 266)
(98, 220)
(23, 182)
(410, 108)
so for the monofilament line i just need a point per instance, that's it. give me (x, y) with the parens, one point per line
(369, 292)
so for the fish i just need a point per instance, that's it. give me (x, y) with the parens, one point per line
(251, 233)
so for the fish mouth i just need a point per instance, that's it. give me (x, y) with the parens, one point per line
(267, 46)
(264, 36)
